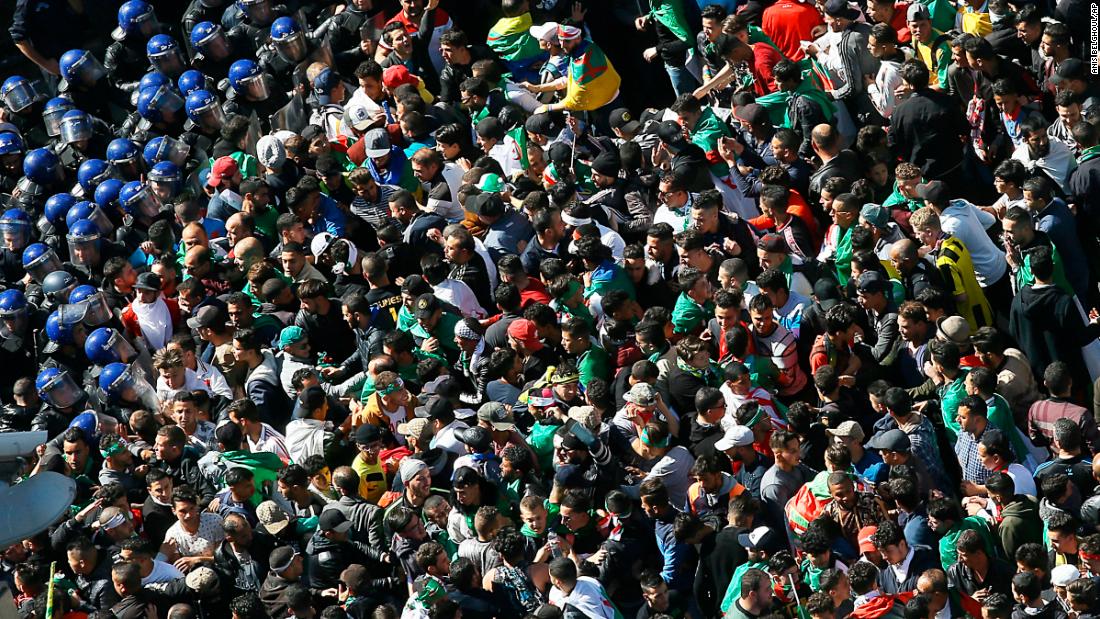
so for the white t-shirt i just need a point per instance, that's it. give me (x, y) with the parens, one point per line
(208, 536)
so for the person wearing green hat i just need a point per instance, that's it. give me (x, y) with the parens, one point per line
(434, 329)
(293, 354)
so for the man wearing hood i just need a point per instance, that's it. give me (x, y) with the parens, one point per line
(1018, 515)
(262, 377)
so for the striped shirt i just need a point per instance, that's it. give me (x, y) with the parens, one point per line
(377, 212)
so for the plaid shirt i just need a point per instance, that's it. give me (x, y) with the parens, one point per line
(966, 449)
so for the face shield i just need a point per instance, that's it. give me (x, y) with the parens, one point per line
(16, 233)
(131, 386)
(20, 96)
(173, 150)
(292, 48)
(13, 325)
(62, 391)
(43, 265)
(100, 219)
(51, 117)
(168, 62)
(84, 249)
(145, 202)
(211, 117)
(258, 11)
(255, 87)
(75, 127)
(119, 347)
(88, 70)
(98, 312)
(215, 46)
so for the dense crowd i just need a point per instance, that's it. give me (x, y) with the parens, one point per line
(594, 310)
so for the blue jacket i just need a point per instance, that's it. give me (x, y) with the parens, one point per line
(678, 569)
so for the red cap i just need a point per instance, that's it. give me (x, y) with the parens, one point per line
(524, 330)
(223, 169)
(864, 537)
(398, 75)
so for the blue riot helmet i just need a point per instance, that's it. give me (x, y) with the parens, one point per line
(289, 39)
(165, 55)
(89, 426)
(166, 148)
(153, 79)
(246, 78)
(15, 225)
(57, 388)
(138, 198)
(122, 151)
(80, 68)
(257, 11)
(13, 313)
(159, 104)
(57, 207)
(11, 143)
(106, 345)
(204, 109)
(90, 211)
(53, 111)
(107, 193)
(75, 127)
(98, 310)
(209, 40)
(58, 285)
(135, 18)
(91, 173)
(164, 180)
(18, 93)
(83, 238)
(42, 166)
(63, 325)
(190, 81)
(122, 382)
(40, 260)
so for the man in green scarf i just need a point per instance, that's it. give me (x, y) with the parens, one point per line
(705, 130)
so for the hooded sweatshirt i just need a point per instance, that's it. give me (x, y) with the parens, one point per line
(264, 388)
(1020, 524)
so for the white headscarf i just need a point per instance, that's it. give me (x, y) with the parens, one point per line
(155, 322)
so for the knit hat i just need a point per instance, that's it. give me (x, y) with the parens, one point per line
(270, 152)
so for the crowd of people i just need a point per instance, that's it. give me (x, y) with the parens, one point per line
(594, 310)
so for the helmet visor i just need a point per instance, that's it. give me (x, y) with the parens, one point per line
(43, 265)
(52, 120)
(292, 48)
(62, 391)
(100, 219)
(76, 128)
(169, 62)
(211, 117)
(255, 87)
(20, 97)
(215, 46)
(98, 311)
(258, 11)
(118, 346)
(16, 233)
(83, 251)
(88, 70)
(145, 202)
(173, 150)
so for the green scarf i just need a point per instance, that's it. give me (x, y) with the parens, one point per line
(670, 14)
(1089, 154)
(776, 102)
(844, 257)
(951, 394)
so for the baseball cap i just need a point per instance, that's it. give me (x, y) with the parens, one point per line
(207, 316)
(641, 394)
(875, 215)
(540, 124)
(357, 116)
(623, 120)
(1070, 69)
(864, 538)
(872, 282)
(495, 414)
(1064, 575)
(891, 440)
(524, 331)
(202, 579)
(840, 8)
(398, 75)
(148, 281)
(438, 407)
(752, 113)
(670, 132)
(545, 32)
(413, 428)
(376, 143)
(321, 243)
(848, 429)
(476, 437)
(570, 476)
(323, 83)
(917, 12)
(486, 204)
(735, 436)
(426, 306)
(272, 517)
(935, 192)
(224, 168)
(755, 539)
(827, 292)
(291, 335)
(334, 520)
(367, 434)
(281, 558)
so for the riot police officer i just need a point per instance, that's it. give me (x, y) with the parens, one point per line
(125, 59)
(83, 82)
(250, 91)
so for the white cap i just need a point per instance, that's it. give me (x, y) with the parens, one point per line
(270, 152)
(545, 32)
(357, 116)
(1064, 575)
(321, 243)
(736, 436)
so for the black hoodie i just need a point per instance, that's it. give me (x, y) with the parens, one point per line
(1049, 326)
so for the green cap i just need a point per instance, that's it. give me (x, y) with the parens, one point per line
(290, 336)
(492, 183)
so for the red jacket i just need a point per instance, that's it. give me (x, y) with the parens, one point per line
(130, 319)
